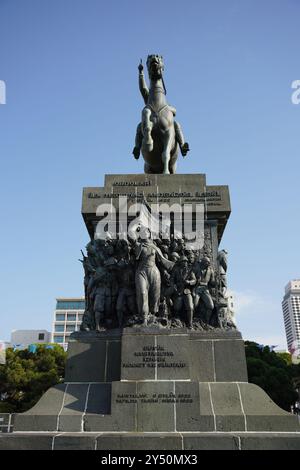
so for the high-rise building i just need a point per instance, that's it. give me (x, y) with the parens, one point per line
(67, 318)
(291, 314)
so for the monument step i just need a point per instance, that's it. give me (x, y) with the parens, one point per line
(154, 441)
(156, 406)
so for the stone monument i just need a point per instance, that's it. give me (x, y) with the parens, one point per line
(158, 362)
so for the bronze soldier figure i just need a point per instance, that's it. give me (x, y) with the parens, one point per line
(183, 279)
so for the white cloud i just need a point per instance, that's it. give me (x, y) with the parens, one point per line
(259, 318)
(246, 302)
(276, 340)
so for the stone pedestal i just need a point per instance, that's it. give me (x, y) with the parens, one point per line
(176, 190)
(156, 354)
(154, 387)
(156, 381)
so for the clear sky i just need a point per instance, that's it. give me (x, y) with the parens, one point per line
(70, 68)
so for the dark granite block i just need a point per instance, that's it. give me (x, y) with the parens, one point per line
(178, 182)
(147, 353)
(202, 363)
(227, 407)
(262, 413)
(193, 409)
(156, 411)
(38, 422)
(70, 418)
(26, 441)
(205, 399)
(86, 361)
(44, 415)
(172, 357)
(123, 410)
(196, 335)
(75, 442)
(210, 442)
(139, 442)
(136, 357)
(97, 416)
(270, 442)
(113, 367)
(99, 399)
(230, 361)
(277, 423)
(100, 423)
(151, 441)
(230, 423)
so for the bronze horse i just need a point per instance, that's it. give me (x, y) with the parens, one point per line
(158, 135)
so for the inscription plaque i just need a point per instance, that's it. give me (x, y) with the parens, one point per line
(154, 398)
(154, 356)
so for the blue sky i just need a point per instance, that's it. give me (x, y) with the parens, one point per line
(70, 68)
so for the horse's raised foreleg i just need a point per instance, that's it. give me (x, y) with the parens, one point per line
(147, 125)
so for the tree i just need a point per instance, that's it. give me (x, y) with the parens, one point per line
(286, 357)
(273, 373)
(26, 376)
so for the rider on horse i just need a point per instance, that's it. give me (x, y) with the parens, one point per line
(155, 111)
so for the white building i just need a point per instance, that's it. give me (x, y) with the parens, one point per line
(67, 318)
(3, 346)
(23, 338)
(291, 314)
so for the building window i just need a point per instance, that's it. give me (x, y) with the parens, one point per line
(70, 328)
(60, 317)
(71, 317)
(58, 339)
(41, 336)
(75, 305)
(59, 328)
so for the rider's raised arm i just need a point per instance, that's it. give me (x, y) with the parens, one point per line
(142, 84)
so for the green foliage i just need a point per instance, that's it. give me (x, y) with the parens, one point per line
(273, 372)
(286, 357)
(26, 376)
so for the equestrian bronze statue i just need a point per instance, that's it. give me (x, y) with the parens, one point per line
(158, 136)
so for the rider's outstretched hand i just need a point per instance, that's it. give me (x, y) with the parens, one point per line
(141, 67)
(185, 149)
(136, 153)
